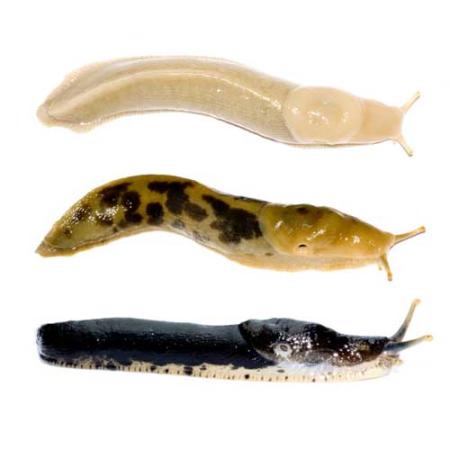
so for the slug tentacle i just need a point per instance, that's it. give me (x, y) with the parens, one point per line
(395, 344)
(384, 264)
(400, 333)
(404, 236)
(249, 231)
(266, 350)
(405, 108)
(395, 347)
(266, 105)
(407, 105)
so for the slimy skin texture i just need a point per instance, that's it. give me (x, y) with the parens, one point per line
(263, 350)
(251, 232)
(268, 106)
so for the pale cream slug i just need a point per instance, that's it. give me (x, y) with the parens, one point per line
(268, 106)
(252, 232)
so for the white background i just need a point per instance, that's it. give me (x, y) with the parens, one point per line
(382, 50)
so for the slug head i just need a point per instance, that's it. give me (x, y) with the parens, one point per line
(310, 231)
(298, 342)
(318, 115)
(292, 341)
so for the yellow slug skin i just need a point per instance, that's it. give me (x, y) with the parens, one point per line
(252, 232)
(271, 107)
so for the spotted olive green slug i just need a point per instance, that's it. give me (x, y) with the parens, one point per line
(266, 350)
(251, 232)
(268, 106)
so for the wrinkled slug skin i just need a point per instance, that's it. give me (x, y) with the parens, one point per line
(213, 87)
(252, 232)
(268, 106)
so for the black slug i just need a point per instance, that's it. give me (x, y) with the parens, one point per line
(266, 350)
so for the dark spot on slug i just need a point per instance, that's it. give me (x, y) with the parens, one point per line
(176, 197)
(177, 200)
(302, 246)
(160, 186)
(166, 370)
(153, 368)
(110, 366)
(155, 213)
(280, 371)
(115, 229)
(303, 210)
(67, 231)
(199, 237)
(81, 213)
(104, 219)
(219, 207)
(247, 199)
(133, 217)
(188, 370)
(269, 254)
(131, 200)
(195, 211)
(234, 224)
(247, 376)
(110, 195)
(178, 224)
(202, 368)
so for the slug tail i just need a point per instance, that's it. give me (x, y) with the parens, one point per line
(45, 111)
(46, 250)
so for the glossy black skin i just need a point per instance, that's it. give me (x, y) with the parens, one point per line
(249, 345)
(311, 343)
(158, 343)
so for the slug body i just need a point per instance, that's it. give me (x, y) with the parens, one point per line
(267, 350)
(252, 232)
(268, 106)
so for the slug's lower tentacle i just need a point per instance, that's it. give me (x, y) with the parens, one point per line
(266, 350)
(384, 263)
(266, 105)
(251, 232)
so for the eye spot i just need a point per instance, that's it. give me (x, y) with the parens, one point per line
(302, 246)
